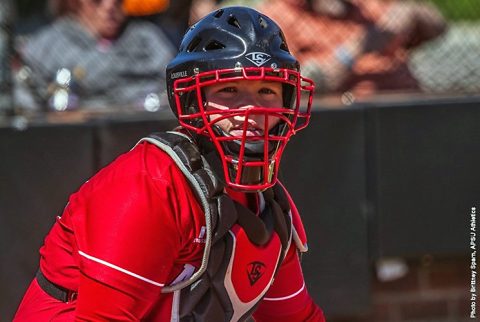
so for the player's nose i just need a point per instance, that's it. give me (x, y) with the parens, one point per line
(248, 98)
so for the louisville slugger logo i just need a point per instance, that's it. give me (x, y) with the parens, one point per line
(258, 58)
(255, 270)
(178, 74)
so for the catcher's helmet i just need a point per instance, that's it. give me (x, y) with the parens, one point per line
(239, 43)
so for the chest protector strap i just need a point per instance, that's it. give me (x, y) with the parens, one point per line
(212, 293)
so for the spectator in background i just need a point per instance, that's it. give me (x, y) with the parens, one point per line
(92, 55)
(145, 7)
(361, 46)
(200, 8)
(180, 15)
(175, 20)
(171, 16)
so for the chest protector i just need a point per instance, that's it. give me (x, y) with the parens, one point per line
(242, 251)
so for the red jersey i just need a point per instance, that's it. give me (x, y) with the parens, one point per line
(132, 229)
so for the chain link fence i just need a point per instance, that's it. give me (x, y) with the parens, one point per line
(351, 48)
(450, 63)
(6, 12)
(383, 46)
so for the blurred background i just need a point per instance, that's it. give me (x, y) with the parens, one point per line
(385, 176)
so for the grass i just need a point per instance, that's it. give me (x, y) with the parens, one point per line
(455, 10)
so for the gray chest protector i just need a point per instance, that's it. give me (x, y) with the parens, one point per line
(242, 251)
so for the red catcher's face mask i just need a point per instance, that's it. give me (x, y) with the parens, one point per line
(250, 135)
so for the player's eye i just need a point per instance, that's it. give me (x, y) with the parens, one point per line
(266, 90)
(228, 89)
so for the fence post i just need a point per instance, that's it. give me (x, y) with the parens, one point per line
(6, 51)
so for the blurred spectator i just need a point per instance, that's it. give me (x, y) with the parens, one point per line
(357, 45)
(200, 8)
(175, 20)
(170, 16)
(145, 7)
(180, 15)
(92, 55)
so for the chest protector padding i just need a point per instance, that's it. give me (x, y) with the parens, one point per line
(245, 251)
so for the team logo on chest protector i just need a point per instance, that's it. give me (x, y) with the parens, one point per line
(245, 290)
(255, 270)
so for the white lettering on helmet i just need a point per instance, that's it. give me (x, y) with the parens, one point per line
(178, 74)
(258, 58)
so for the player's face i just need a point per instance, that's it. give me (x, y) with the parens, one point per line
(244, 94)
(103, 17)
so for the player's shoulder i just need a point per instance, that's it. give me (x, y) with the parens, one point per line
(143, 162)
(147, 159)
(158, 164)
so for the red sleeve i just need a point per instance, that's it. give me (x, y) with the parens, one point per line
(288, 300)
(99, 302)
(139, 215)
